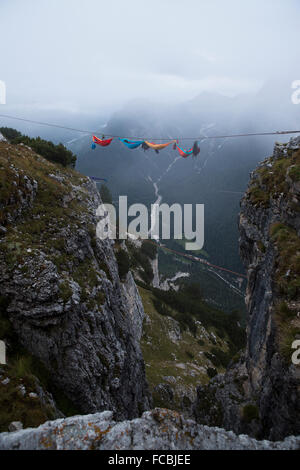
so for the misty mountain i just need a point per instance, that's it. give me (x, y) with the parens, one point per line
(217, 178)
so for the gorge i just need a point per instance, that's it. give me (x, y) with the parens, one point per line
(74, 320)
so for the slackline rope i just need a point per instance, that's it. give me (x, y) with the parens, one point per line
(191, 257)
(150, 138)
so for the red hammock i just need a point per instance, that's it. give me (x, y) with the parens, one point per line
(103, 143)
(184, 153)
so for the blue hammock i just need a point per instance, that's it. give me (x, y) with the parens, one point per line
(132, 144)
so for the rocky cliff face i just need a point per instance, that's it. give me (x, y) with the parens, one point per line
(60, 288)
(269, 246)
(260, 395)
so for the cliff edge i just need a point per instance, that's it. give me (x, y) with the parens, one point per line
(62, 301)
(259, 394)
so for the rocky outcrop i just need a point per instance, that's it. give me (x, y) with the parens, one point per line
(135, 305)
(273, 378)
(63, 295)
(260, 394)
(170, 283)
(158, 429)
(154, 266)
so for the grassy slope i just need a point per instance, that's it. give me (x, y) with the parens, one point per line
(183, 359)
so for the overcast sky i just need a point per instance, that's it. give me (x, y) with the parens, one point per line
(84, 54)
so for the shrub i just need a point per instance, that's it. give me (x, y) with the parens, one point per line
(189, 354)
(294, 173)
(54, 153)
(250, 412)
(65, 291)
(280, 232)
(211, 372)
(147, 272)
(222, 357)
(149, 249)
(187, 321)
(258, 196)
(261, 246)
(123, 261)
(284, 311)
(139, 260)
(193, 291)
(105, 194)
(161, 307)
(9, 133)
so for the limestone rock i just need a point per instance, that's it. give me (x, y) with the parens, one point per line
(259, 395)
(15, 426)
(64, 297)
(158, 429)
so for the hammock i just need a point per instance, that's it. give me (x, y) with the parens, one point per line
(132, 144)
(103, 143)
(158, 146)
(195, 150)
(184, 153)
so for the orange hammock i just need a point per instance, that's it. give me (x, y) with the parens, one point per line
(159, 146)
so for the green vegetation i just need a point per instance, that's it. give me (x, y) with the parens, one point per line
(65, 291)
(294, 173)
(139, 260)
(287, 334)
(287, 242)
(218, 357)
(15, 164)
(215, 341)
(53, 153)
(10, 134)
(182, 359)
(123, 261)
(258, 196)
(24, 370)
(186, 306)
(288, 284)
(273, 179)
(105, 194)
(54, 211)
(208, 404)
(16, 407)
(261, 246)
(216, 292)
(162, 309)
(250, 412)
(284, 311)
(149, 249)
(211, 372)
